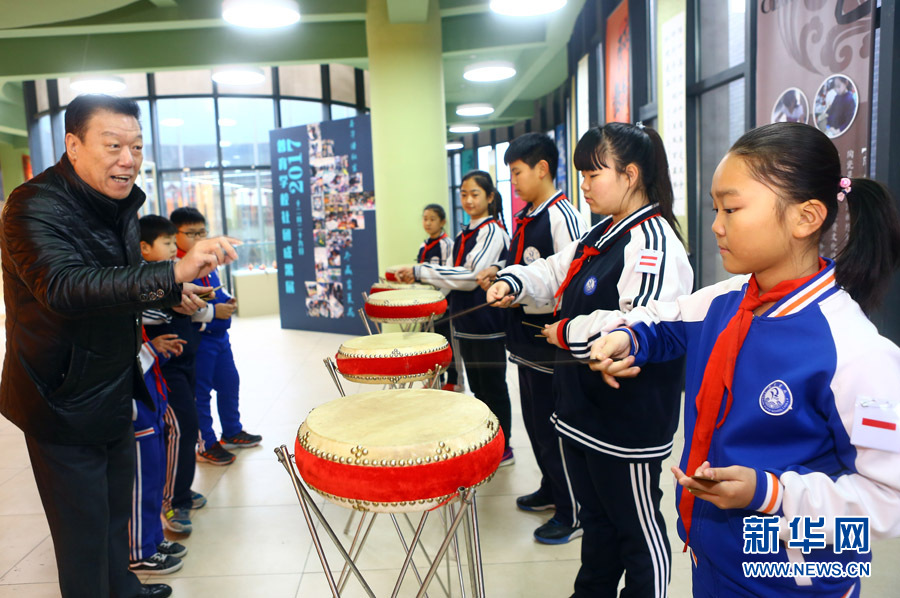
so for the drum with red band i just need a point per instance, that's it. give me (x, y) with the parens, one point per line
(398, 307)
(398, 450)
(399, 286)
(391, 274)
(393, 357)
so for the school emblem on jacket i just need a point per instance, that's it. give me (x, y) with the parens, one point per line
(436, 260)
(530, 254)
(776, 398)
(590, 285)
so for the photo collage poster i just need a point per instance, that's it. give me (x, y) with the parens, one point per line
(814, 66)
(323, 186)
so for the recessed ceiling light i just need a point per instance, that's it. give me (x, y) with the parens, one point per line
(261, 14)
(171, 122)
(474, 109)
(483, 72)
(238, 75)
(465, 129)
(526, 8)
(98, 84)
(227, 122)
(454, 145)
(224, 143)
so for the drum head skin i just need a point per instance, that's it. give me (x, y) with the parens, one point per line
(393, 357)
(398, 450)
(400, 286)
(405, 306)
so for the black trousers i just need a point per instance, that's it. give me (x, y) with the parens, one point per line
(181, 460)
(86, 493)
(536, 395)
(485, 361)
(443, 328)
(624, 530)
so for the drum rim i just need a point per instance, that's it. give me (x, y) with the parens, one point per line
(387, 352)
(380, 300)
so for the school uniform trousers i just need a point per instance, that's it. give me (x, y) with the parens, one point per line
(181, 430)
(485, 362)
(216, 371)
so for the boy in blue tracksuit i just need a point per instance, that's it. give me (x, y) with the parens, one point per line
(150, 552)
(215, 369)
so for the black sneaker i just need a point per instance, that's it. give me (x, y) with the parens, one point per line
(554, 532)
(158, 564)
(534, 502)
(216, 454)
(240, 440)
(170, 548)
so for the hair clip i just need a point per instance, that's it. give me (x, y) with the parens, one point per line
(640, 125)
(845, 189)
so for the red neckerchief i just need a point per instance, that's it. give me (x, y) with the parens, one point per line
(180, 253)
(521, 223)
(157, 371)
(718, 377)
(467, 236)
(429, 246)
(589, 252)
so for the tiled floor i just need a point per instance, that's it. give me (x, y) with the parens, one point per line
(251, 540)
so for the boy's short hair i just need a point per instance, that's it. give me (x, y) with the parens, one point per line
(154, 226)
(186, 215)
(531, 148)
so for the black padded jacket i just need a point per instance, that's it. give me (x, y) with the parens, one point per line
(74, 289)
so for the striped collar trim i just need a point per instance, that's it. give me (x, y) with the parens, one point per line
(474, 224)
(624, 225)
(821, 286)
(523, 213)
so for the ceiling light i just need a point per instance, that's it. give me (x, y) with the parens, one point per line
(526, 8)
(483, 72)
(465, 129)
(238, 75)
(171, 122)
(224, 143)
(474, 109)
(454, 145)
(261, 14)
(227, 122)
(98, 84)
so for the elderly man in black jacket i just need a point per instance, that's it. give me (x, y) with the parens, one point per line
(74, 289)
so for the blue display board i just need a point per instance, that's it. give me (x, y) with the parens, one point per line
(324, 193)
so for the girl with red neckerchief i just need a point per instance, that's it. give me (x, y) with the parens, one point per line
(791, 405)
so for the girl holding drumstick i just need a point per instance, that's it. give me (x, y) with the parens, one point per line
(791, 393)
(481, 334)
(613, 441)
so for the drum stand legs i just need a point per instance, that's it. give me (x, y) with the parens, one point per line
(466, 511)
(307, 506)
(335, 376)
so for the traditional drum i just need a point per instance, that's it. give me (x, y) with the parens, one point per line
(391, 273)
(399, 307)
(399, 286)
(393, 357)
(390, 451)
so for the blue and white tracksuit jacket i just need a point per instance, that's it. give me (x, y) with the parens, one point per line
(144, 527)
(809, 367)
(483, 248)
(637, 421)
(550, 229)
